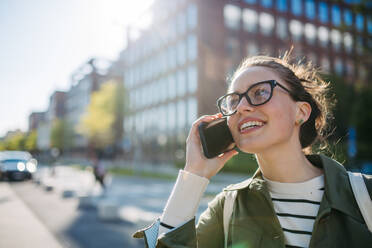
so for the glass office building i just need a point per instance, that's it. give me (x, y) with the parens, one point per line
(178, 66)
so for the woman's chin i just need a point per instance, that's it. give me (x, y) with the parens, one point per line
(250, 147)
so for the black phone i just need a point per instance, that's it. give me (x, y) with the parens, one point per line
(215, 137)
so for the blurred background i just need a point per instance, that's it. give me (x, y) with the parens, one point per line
(100, 96)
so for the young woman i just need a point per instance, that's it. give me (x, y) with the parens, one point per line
(275, 110)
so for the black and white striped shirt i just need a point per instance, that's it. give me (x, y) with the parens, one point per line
(296, 206)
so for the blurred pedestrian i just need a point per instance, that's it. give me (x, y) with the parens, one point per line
(99, 170)
(276, 110)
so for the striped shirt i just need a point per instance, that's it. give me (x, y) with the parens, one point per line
(296, 206)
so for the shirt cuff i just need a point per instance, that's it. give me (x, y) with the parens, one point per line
(184, 199)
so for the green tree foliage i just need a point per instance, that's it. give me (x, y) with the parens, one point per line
(353, 109)
(15, 141)
(60, 136)
(362, 119)
(2, 145)
(31, 141)
(102, 123)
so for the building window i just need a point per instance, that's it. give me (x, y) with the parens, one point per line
(296, 7)
(181, 23)
(336, 15)
(154, 92)
(163, 121)
(359, 22)
(181, 52)
(192, 16)
(171, 116)
(172, 90)
(250, 20)
(232, 15)
(266, 23)
(296, 29)
(359, 44)
(172, 53)
(181, 83)
(139, 123)
(348, 17)
(164, 86)
(369, 25)
(281, 5)
(281, 28)
(350, 68)
(338, 66)
(310, 33)
(323, 12)
(192, 110)
(324, 63)
(252, 49)
(348, 42)
(192, 79)
(336, 39)
(267, 3)
(181, 115)
(232, 47)
(323, 34)
(310, 9)
(192, 47)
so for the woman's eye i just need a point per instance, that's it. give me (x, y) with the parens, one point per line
(234, 101)
(260, 92)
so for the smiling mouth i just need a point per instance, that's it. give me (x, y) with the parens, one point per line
(249, 125)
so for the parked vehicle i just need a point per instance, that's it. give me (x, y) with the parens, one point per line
(17, 165)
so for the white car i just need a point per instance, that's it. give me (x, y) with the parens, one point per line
(17, 165)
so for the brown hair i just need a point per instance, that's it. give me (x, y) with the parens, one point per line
(306, 85)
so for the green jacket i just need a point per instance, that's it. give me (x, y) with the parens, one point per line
(254, 223)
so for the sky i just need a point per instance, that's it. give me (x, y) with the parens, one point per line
(42, 42)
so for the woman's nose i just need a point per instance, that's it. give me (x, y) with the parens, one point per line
(244, 106)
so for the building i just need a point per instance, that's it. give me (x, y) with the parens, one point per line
(34, 120)
(85, 80)
(177, 67)
(56, 110)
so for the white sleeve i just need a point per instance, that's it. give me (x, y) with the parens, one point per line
(184, 199)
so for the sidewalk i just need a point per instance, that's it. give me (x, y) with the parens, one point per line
(29, 232)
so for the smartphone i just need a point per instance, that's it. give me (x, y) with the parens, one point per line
(215, 137)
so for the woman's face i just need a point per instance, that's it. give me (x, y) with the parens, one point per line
(258, 128)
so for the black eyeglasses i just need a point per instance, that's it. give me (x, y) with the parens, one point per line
(257, 94)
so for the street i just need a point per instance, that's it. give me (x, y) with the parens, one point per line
(128, 204)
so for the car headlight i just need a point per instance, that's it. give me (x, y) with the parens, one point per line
(31, 167)
(21, 166)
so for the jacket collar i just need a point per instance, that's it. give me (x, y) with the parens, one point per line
(338, 193)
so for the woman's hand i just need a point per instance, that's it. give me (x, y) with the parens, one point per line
(196, 162)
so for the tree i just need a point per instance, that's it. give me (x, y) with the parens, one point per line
(31, 141)
(15, 141)
(60, 136)
(362, 119)
(102, 123)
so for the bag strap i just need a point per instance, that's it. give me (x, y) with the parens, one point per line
(227, 212)
(362, 196)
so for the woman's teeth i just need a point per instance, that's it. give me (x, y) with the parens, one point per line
(250, 124)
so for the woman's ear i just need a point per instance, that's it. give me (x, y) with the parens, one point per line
(303, 112)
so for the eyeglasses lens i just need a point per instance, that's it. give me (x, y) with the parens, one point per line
(229, 104)
(258, 94)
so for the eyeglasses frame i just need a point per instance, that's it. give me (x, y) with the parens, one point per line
(273, 84)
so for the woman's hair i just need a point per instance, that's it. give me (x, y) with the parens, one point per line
(306, 85)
